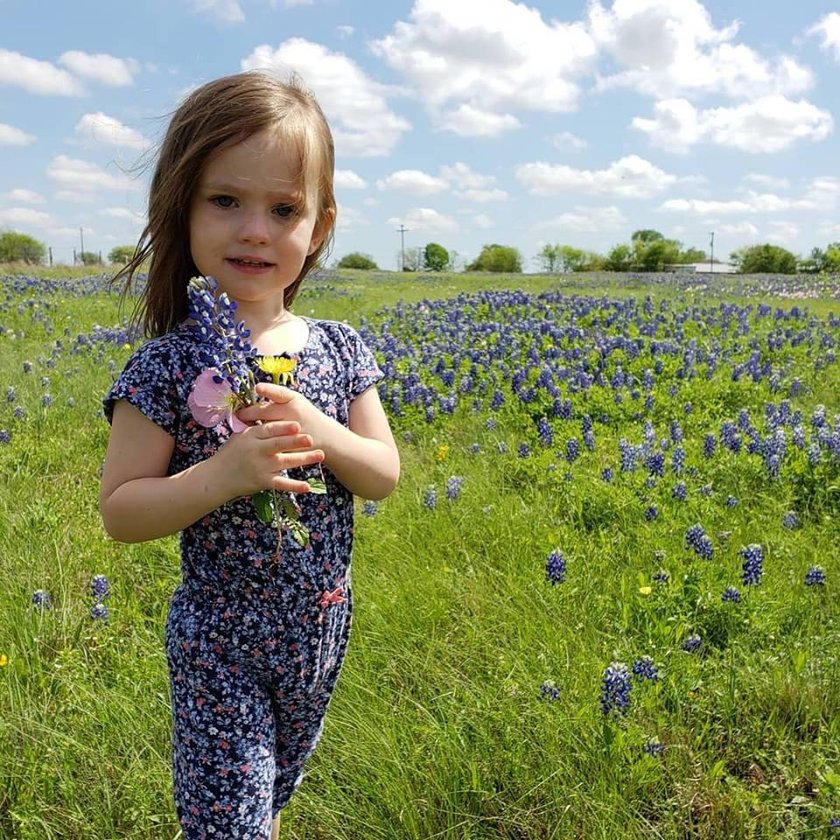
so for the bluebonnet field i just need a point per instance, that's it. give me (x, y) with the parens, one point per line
(602, 602)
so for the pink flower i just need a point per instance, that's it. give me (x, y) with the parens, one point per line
(212, 401)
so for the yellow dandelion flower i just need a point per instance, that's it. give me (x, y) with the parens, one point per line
(442, 452)
(645, 590)
(126, 346)
(280, 368)
(4, 660)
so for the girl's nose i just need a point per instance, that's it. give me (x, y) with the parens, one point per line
(254, 229)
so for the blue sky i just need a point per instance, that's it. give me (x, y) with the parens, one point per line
(466, 121)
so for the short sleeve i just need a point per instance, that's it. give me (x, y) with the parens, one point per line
(363, 368)
(149, 383)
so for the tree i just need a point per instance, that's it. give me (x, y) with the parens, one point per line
(499, 259)
(412, 259)
(89, 258)
(18, 247)
(831, 259)
(121, 254)
(764, 259)
(549, 258)
(618, 258)
(357, 260)
(435, 257)
(646, 236)
(654, 254)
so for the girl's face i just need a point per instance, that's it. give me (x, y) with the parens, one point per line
(245, 228)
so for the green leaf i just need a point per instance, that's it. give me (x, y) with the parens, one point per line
(299, 532)
(289, 510)
(264, 503)
(317, 486)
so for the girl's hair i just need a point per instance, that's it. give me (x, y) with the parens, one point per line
(220, 114)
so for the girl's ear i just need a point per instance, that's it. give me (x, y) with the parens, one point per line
(322, 230)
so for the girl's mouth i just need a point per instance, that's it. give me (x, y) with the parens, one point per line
(245, 262)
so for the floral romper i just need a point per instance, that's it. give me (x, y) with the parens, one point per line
(255, 639)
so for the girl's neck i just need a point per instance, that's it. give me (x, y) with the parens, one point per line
(282, 332)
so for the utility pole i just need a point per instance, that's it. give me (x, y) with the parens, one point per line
(401, 230)
(712, 253)
(82, 239)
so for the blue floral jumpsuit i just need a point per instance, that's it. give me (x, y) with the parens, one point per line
(255, 637)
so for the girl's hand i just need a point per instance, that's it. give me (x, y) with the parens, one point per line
(283, 404)
(254, 459)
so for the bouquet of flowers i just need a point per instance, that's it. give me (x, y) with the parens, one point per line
(228, 385)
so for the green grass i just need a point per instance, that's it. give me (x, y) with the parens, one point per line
(437, 728)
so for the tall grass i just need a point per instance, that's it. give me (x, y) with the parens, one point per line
(469, 704)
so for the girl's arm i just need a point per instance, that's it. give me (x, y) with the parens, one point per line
(139, 501)
(363, 457)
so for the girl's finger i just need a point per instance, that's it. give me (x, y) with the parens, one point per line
(278, 428)
(289, 443)
(290, 460)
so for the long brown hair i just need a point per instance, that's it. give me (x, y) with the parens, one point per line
(220, 114)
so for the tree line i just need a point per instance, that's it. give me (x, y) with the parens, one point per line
(648, 250)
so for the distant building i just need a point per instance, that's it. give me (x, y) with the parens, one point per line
(702, 268)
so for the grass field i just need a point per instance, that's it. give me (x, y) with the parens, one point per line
(602, 602)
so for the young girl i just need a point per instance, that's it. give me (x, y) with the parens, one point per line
(257, 631)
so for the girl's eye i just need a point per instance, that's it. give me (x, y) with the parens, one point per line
(223, 201)
(284, 210)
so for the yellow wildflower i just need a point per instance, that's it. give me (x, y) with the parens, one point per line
(442, 452)
(280, 368)
(645, 590)
(4, 660)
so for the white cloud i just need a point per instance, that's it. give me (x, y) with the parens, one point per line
(73, 174)
(783, 232)
(356, 106)
(228, 11)
(11, 136)
(740, 229)
(492, 56)
(587, 220)
(76, 196)
(350, 217)
(768, 124)
(123, 213)
(828, 28)
(425, 220)
(39, 77)
(483, 196)
(24, 216)
(482, 221)
(289, 4)
(629, 177)
(462, 177)
(413, 182)
(345, 31)
(770, 182)
(668, 49)
(349, 180)
(100, 128)
(568, 142)
(468, 121)
(101, 67)
(22, 194)
(752, 203)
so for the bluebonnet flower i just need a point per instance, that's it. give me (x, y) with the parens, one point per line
(555, 567)
(46, 400)
(497, 401)
(654, 747)
(731, 594)
(430, 498)
(692, 643)
(628, 455)
(814, 454)
(572, 450)
(502, 447)
(651, 513)
(834, 823)
(709, 445)
(544, 432)
(655, 463)
(589, 439)
(615, 689)
(11, 394)
(19, 413)
(41, 599)
(688, 408)
(475, 448)
(453, 487)
(524, 450)
(790, 520)
(644, 669)
(607, 475)
(696, 538)
(45, 382)
(661, 577)
(680, 491)
(491, 424)
(549, 691)
(753, 565)
(815, 576)
(5, 436)
(99, 612)
(369, 508)
(678, 460)
(676, 432)
(731, 501)
(100, 588)
(27, 367)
